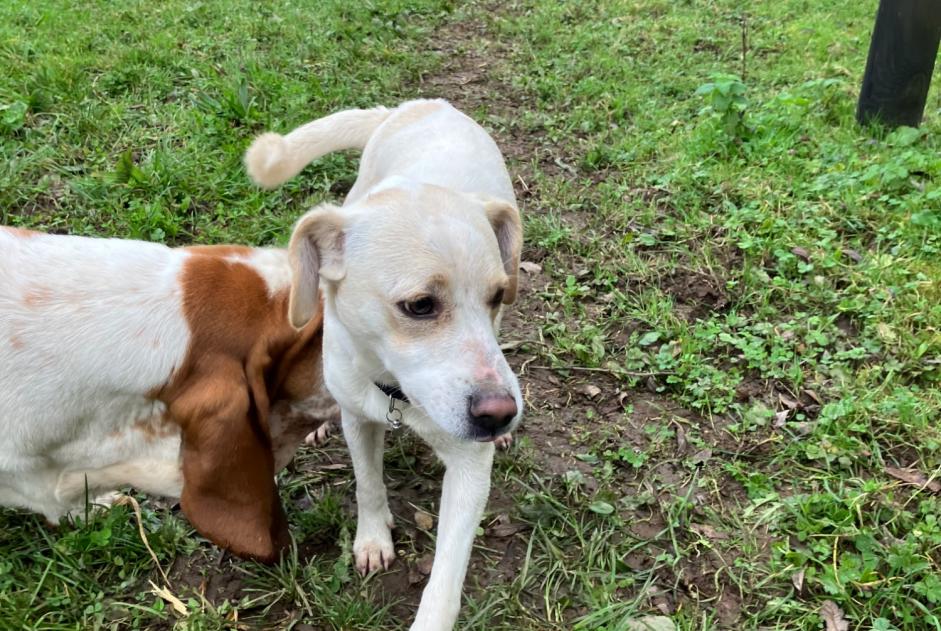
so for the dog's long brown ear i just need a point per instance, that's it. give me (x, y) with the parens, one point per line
(505, 219)
(229, 492)
(316, 251)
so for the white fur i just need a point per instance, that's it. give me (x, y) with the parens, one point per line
(270, 263)
(88, 327)
(273, 159)
(418, 210)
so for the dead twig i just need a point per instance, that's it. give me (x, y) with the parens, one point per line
(610, 371)
(127, 500)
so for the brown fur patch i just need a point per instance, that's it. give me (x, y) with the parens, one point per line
(243, 357)
(220, 250)
(37, 297)
(505, 219)
(21, 233)
(156, 427)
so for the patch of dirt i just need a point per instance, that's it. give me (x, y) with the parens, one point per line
(210, 572)
(696, 294)
(472, 58)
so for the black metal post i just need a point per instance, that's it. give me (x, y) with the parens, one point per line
(901, 59)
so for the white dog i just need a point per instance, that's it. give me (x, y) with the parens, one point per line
(415, 269)
(175, 371)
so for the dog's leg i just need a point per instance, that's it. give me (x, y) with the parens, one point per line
(320, 436)
(463, 499)
(503, 442)
(157, 477)
(373, 546)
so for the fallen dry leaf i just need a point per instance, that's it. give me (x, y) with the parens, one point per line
(833, 617)
(914, 477)
(423, 520)
(797, 580)
(424, 564)
(855, 256)
(680, 438)
(800, 253)
(507, 530)
(813, 395)
(530, 268)
(788, 402)
(780, 418)
(503, 526)
(512, 345)
(708, 532)
(701, 457)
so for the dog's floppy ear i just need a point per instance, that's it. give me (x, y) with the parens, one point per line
(505, 219)
(229, 492)
(315, 251)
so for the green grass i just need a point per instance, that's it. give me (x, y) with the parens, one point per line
(137, 114)
(750, 279)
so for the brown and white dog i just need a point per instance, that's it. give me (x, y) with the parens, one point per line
(176, 371)
(415, 269)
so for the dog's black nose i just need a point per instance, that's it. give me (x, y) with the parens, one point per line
(491, 411)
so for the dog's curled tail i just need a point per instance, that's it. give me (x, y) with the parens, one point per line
(273, 159)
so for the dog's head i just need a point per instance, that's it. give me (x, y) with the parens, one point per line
(416, 278)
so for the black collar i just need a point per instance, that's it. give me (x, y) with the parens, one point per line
(392, 391)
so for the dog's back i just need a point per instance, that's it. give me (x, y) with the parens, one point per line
(431, 142)
(421, 141)
(87, 328)
(81, 319)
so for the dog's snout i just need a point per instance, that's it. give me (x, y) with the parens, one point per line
(492, 411)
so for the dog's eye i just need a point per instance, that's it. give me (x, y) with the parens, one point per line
(497, 299)
(424, 307)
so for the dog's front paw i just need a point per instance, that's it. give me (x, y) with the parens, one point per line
(321, 435)
(373, 551)
(504, 441)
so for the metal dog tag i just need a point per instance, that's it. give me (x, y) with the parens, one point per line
(394, 415)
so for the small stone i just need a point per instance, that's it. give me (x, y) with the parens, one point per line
(590, 390)
(424, 521)
(651, 623)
